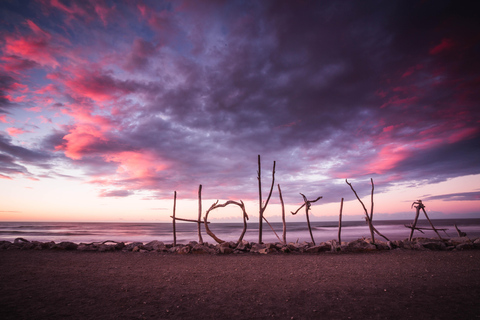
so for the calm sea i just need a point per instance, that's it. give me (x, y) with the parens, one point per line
(143, 232)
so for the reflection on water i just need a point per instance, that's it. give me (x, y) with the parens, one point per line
(144, 232)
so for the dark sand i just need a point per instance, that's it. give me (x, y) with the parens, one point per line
(127, 285)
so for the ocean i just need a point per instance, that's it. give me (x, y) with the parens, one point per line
(88, 232)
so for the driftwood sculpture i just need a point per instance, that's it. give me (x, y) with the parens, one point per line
(262, 206)
(215, 206)
(198, 221)
(307, 204)
(420, 206)
(368, 218)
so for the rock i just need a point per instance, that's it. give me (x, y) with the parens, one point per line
(225, 249)
(256, 247)
(130, 246)
(360, 245)
(119, 246)
(201, 249)
(106, 247)
(155, 245)
(243, 246)
(5, 244)
(184, 250)
(431, 244)
(86, 247)
(66, 245)
(322, 247)
(136, 249)
(20, 241)
(465, 246)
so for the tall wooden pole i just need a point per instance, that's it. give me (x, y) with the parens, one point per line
(260, 209)
(283, 216)
(200, 239)
(340, 223)
(174, 208)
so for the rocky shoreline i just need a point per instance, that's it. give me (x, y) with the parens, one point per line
(193, 247)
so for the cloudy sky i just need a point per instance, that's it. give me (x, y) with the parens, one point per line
(107, 107)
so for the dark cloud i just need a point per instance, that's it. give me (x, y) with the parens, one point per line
(330, 90)
(461, 196)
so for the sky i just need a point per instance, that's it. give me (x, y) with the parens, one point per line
(108, 107)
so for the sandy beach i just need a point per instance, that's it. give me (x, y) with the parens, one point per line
(396, 284)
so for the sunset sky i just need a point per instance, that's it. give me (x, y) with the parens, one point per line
(108, 107)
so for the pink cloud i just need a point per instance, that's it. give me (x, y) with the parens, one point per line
(15, 131)
(34, 109)
(446, 44)
(3, 118)
(34, 48)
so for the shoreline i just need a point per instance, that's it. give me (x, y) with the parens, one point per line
(389, 284)
(242, 247)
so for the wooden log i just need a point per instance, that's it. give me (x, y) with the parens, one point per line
(199, 222)
(340, 223)
(283, 215)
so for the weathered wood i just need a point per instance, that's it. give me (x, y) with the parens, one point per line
(369, 221)
(199, 222)
(260, 211)
(283, 215)
(434, 229)
(307, 204)
(340, 223)
(271, 227)
(417, 213)
(174, 228)
(261, 206)
(460, 233)
(215, 206)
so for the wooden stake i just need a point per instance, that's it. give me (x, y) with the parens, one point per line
(200, 239)
(174, 207)
(340, 223)
(283, 215)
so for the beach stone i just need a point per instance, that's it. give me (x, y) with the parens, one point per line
(20, 241)
(360, 245)
(192, 244)
(106, 247)
(225, 249)
(465, 246)
(184, 250)
(243, 245)
(256, 247)
(131, 246)
(155, 245)
(66, 245)
(381, 245)
(201, 249)
(431, 244)
(119, 246)
(322, 247)
(28, 245)
(86, 247)
(5, 244)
